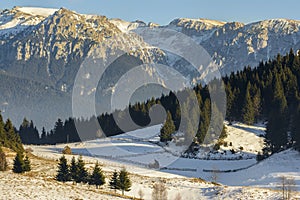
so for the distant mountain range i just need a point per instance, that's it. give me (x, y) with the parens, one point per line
(42, 49)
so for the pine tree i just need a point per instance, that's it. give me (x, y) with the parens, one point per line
(248, 109)
(230, 100)
(277, 126)
(27, 165)
(63, 173)
(3, 162)
(73, 169)
(19, 164)
(113, 183)
(204, 121)
(167, 129)
(97, 177)
(82, 174)
(124, 182)
(43, 136)
(257, 104)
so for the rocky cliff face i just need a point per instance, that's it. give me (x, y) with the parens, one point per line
(41, 51)
(47, 48)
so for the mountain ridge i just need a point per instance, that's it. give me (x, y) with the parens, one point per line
(49, 45)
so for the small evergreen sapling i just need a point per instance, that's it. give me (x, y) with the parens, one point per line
(97, 177)
(19, 164)
(63, 173)
(124, 183)
(113, 183)
(73, 169)
(82, 174)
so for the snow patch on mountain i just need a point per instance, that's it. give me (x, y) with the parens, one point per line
(45, 12)
(125, 26)
(18, 19)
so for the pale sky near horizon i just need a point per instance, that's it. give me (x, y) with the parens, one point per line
(164, 11)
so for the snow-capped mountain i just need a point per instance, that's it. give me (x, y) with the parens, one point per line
(234, 45)
(42, 49)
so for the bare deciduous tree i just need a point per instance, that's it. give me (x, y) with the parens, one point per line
(159, 191)
(287, 186)
(141, 194)
(178, 197)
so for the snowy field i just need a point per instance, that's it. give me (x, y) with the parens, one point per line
(137, 149)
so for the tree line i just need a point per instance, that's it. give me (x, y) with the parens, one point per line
(269, 92)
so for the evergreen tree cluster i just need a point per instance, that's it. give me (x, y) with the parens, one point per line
(77, 172)
(9, 137)
(28, 132)
(269, 92)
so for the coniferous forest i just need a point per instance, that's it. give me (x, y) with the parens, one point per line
(269, 92)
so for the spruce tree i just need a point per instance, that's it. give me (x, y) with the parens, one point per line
(63, 173)
(167, 129)
(82, 174)
(73, 169)
(19, 165)
(43, 136)
(277, 126)
(113, 183)
(124, 183)
(97, 177)
(27, 165)
(204, 121)
(248, 109)
(230, 100)
(257, 104)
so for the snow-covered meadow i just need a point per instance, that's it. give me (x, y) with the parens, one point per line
(241, 178)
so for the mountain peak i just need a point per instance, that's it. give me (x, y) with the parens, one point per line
(209, 22)
(36, 11)
(285, 26)
(19, 18)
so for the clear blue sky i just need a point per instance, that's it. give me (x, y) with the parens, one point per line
(163, 11)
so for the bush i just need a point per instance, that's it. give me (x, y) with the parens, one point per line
(217, 147)
(225, 144)
(67, 150)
